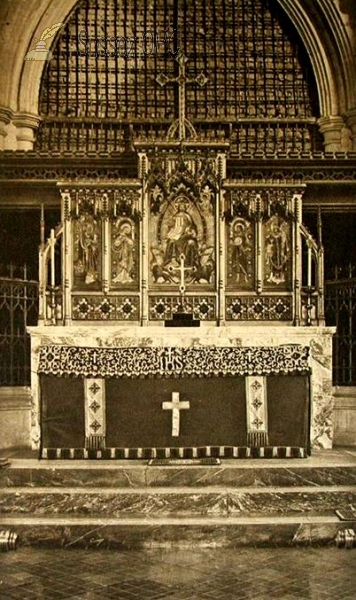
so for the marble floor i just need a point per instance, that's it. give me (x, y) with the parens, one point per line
(327, 573)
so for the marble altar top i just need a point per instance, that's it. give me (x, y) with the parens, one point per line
(116, 335)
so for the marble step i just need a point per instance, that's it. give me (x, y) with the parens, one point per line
(150, 532)
(326, 469)
(125, 504)
(179, 502)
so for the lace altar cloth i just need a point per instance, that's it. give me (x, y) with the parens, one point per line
(173, 362)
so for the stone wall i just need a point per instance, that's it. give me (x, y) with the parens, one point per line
(15, 417)
(345, 416)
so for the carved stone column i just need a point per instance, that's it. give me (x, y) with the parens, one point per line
(144, 240)
(26, 125)
(331, 128)
(350, 118)
(5, 119)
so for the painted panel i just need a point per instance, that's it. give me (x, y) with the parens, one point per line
(277, 246)
(87, 252)
(124, 253)
(240, 254)
(183, 228)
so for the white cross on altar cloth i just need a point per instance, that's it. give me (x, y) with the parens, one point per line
(175, 406)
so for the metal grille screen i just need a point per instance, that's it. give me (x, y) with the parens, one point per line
(260, 93)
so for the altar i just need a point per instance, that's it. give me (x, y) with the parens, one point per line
(181, 311)
(187, 320)
(227, 392)
(181, 315)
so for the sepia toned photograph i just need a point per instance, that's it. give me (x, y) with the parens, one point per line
(177, 299)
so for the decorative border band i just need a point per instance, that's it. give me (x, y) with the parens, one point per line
(173, 362)
(191, 452)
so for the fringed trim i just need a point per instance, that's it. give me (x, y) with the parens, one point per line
(95, 442)
(257, 439)
(186, 452)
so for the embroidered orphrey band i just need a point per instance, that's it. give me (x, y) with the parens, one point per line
(256, 409)
(94, 398)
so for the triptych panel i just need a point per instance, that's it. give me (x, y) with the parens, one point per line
(244, 241)
(88, 242)
(143, 249)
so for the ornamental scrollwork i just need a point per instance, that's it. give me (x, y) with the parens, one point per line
(173, 362)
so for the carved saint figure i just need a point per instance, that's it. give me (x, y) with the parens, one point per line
(182, 239)
(88, 248)
(276, 250)
(240, 245)
(123, 248)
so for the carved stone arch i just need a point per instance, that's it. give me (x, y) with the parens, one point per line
(324, 35)
(21, 80)
(321, 28)
(32, 18)
(309, 21)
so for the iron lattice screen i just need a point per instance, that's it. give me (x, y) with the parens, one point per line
(340, 311)
(260, 92)
(18, 309)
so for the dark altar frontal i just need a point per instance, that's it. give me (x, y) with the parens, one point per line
(213, 417)
(212, 396)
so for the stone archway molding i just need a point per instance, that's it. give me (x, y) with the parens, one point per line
(20, 80)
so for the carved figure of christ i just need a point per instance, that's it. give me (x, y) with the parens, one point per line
(176, 405)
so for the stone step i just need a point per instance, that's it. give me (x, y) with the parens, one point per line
(179, 502)
(126, 504)
(328, 468)
(148, 532)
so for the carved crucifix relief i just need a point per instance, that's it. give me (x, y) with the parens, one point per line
(182, 270)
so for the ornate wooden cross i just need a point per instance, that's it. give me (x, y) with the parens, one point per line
(182, 123)
(176, 405)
